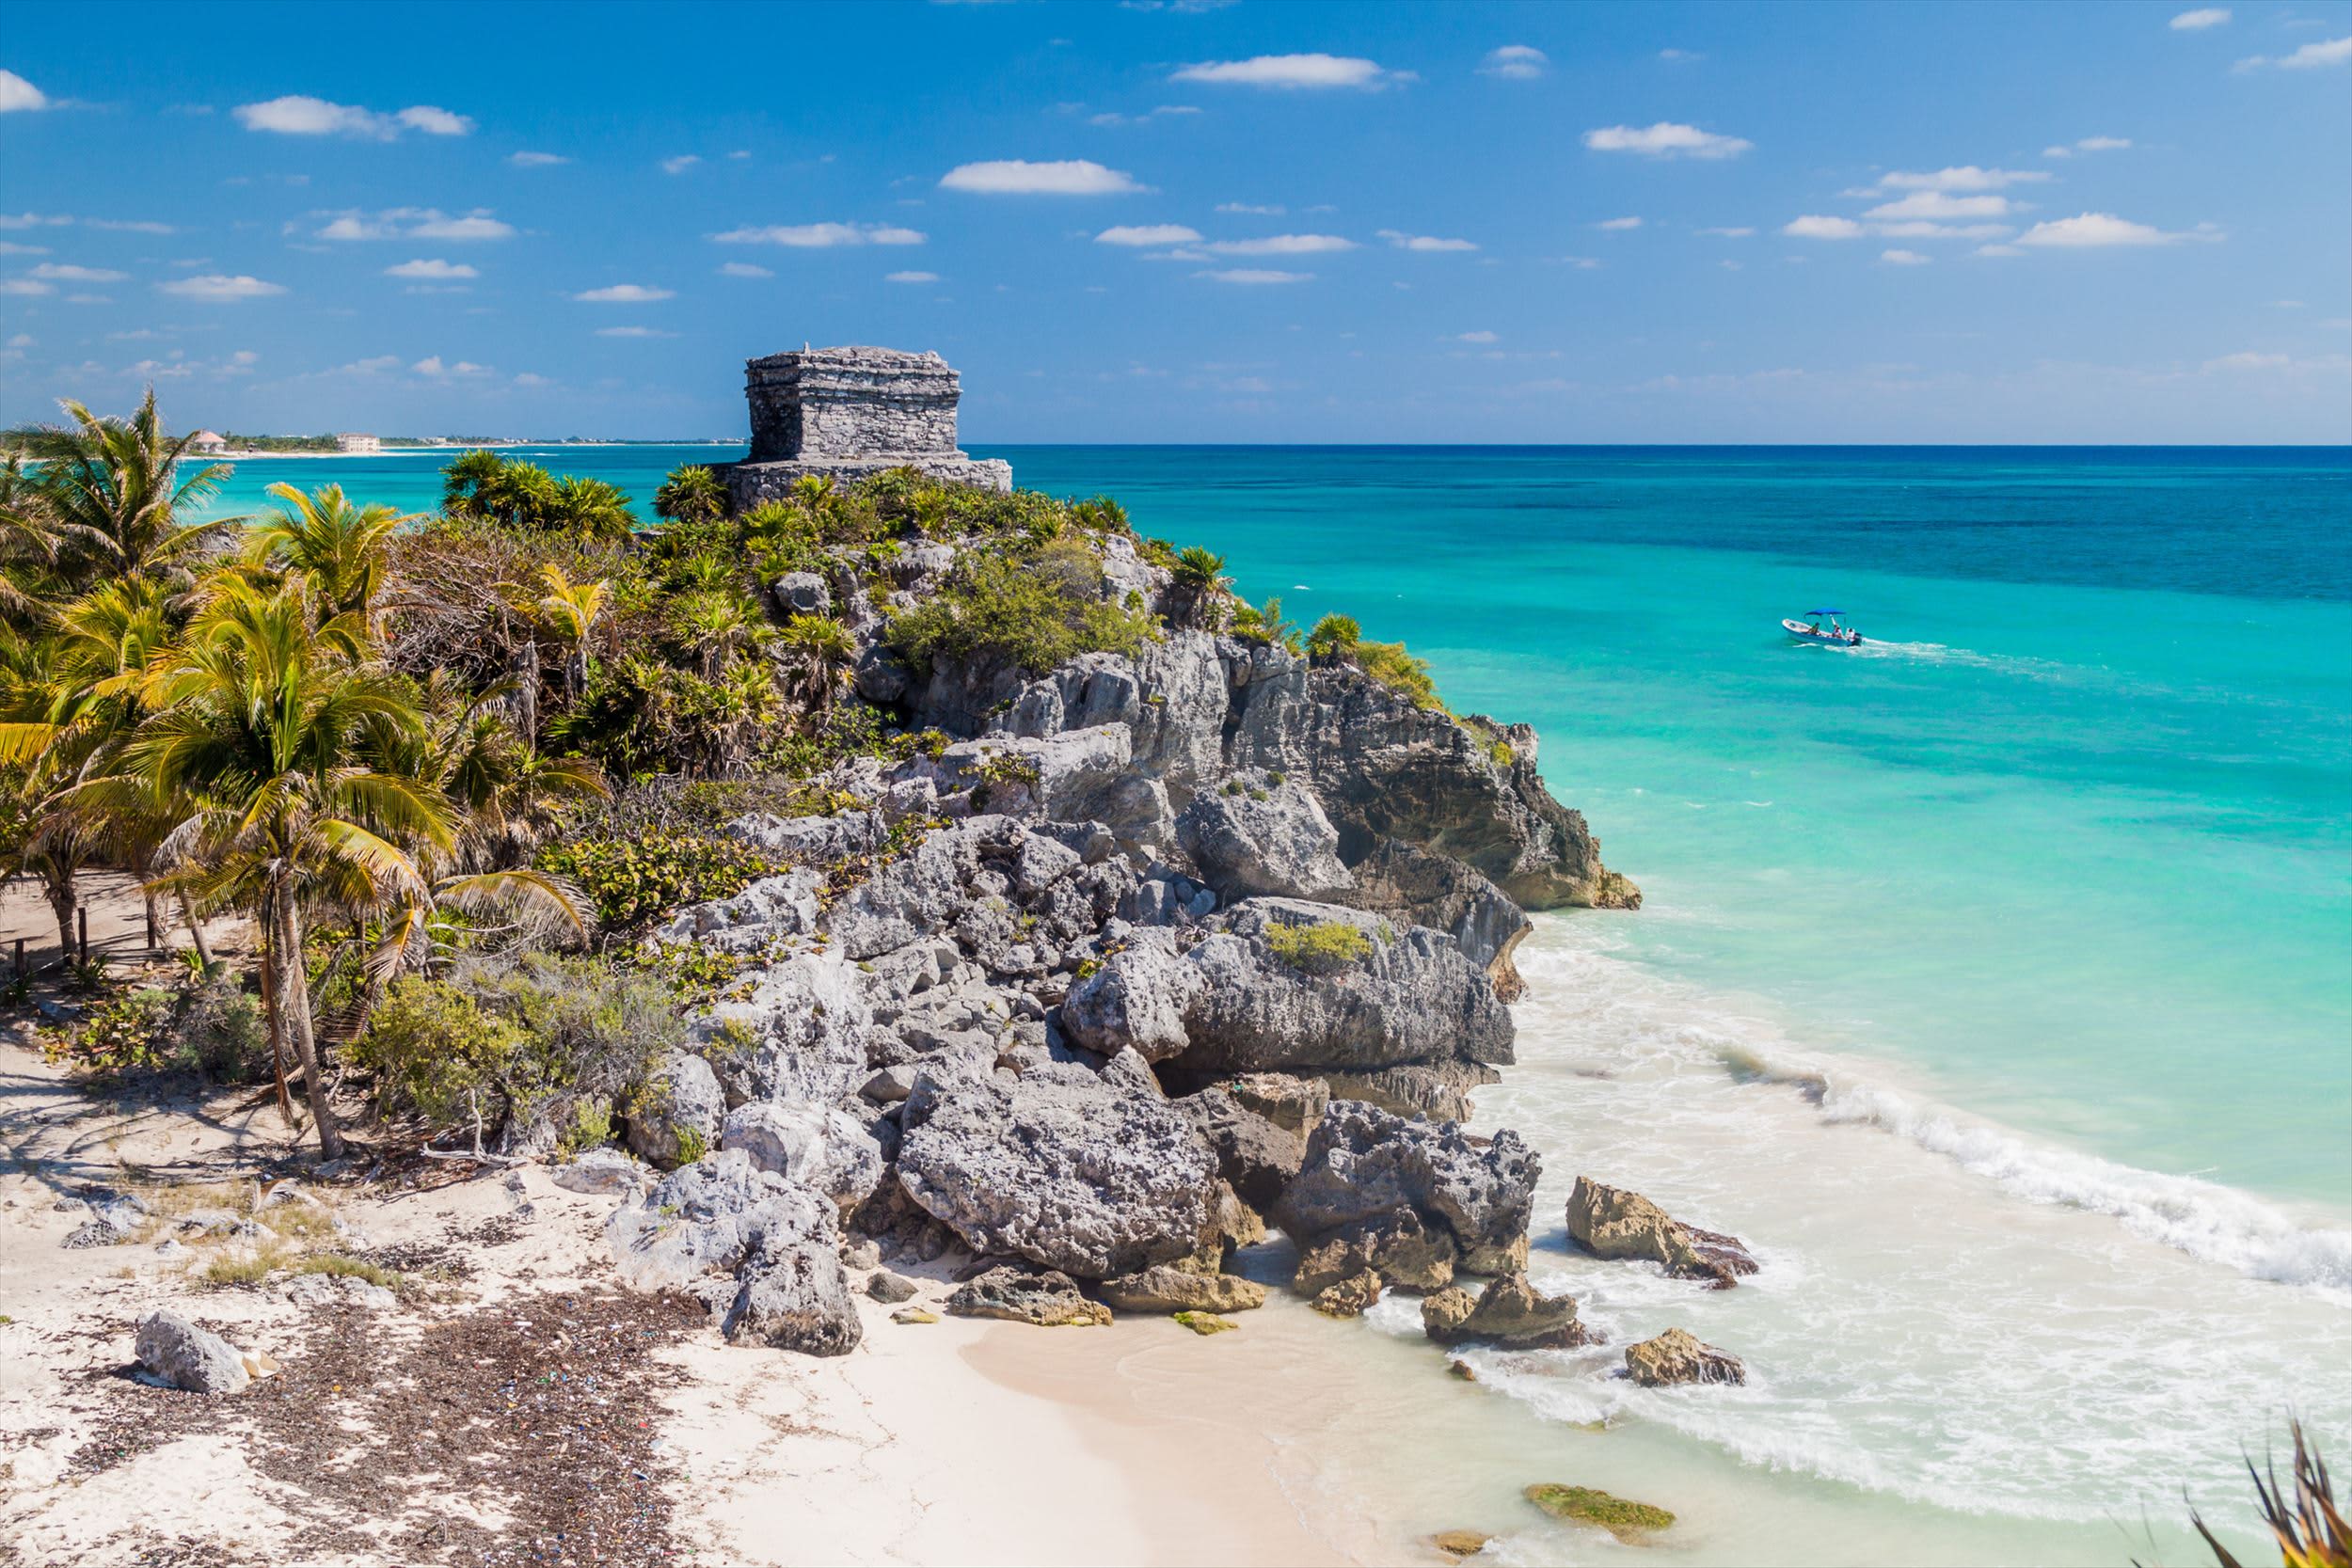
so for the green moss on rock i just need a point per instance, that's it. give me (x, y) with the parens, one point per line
(1623, 1519)
(1205, 1323)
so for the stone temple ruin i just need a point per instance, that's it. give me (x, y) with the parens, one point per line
(849, 412)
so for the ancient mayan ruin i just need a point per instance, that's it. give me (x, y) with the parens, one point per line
(848, 412)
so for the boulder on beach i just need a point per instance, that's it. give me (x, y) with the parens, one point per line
(1206, 1323)
(1629, 1521)
(1459, 1544)
(794, 1296)
(1509, 1312)
(1404, 1252)
(1165, 1289)
(176, 1352)
(1676, 1356)
(1350, 1298)
(1614, 1222)
(1364, 1165)
(1046, 1297)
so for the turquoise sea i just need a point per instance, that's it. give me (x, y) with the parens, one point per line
(1995, 976)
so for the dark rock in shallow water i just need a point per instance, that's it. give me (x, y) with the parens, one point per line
(1363, 1164)
(1676, 1356)
(1509, 1312)
(1614, 1222)
(1396, 1245)
(1165, 1289)
(1349, 1298)
(1627, 1520)
(1041, 1296)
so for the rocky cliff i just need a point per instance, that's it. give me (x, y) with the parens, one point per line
(1152, 945)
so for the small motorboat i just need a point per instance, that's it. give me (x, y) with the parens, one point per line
(1811, 630)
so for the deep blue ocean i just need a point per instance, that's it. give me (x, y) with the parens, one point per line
(1995, 976)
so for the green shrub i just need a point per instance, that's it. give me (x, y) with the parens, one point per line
(434, 1050)
(1329, 948)
(127, 1033)
(635, 880)
(210, 1025)
(1338, 637)
(1333, 635)
(1031, 609)
(589, 1127)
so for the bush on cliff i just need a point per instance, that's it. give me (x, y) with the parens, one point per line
(1331, 947)
(633, 879)
(1338, 638)
(1030, 609)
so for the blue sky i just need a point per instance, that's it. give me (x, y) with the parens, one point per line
(1178, 222)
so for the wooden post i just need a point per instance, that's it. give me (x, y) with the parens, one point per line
(82, 915)
(20, 957)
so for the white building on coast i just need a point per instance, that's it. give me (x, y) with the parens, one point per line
(349, 442)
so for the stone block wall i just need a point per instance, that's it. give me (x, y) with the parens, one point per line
(851, 404)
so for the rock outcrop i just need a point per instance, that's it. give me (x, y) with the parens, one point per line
(179, 1354)
(1042, 1298)
(1614, 1222)
(1677, 1356)
(1509, 1312)
(1364, 1166)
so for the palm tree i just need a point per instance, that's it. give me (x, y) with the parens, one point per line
(1200, 576)
(690, 495)
(112, 490)
(468, 480)
(28, 543)
(345, 550)
(280, 745)
(572, 612)
(591, 508)
(828, 650)
(714, 624)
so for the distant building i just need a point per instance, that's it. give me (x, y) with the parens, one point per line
(208, 441)
(358, 443)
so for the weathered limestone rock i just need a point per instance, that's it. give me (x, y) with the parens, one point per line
(602, 1172)
(1164, 1288)
(1509, 1312)
(1406, 1255)
(888, 1287)
(1363, 1164)
(801, 594)
(1438, 890)
(1250, 840)
(1434, 1091)
(1350, 1298)
(848, 412)
(825, 1150)
(794, 1295)
(1059, 1167)
(674, 1118)
(1459, 1544)
(1617, 1221)
(1676, 1356)
(1293, 1103)
(177, 1353)
(1255, 1155)
(701, 1221)
(1041, 1296)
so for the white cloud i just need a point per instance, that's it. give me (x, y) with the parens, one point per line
(536, 160)
(432, 365)
(820, 236)
(633, 332)
(1998, 251)
(532, 378)
(1516, 62)
(1904, 258)
(680, 164)
(431, 269)
(1148, 233)
(2201, 19)
(219, 288)
(66, 272)
(2092, 230)
(1476, 338)
(1585, 263)
(1281, 244)
(1292, 71)
(1251, 208)
(1938, 205)
(911, 277)
(1665, 139)
(1164, 111)
(1019, 176)
(1678, 56)
(2310, 56)
(24, 286)
(1967, 177)
(2089, 144)
(1813, 226)
(298, 115)
(9, 247)
(16, 93)
(1426, 242)
(625, 294)
(1918, 230)
(2248, 361)
(1254, 274)
(128, 226)
(1729, 233)
(416, 223)
(743, 269)
(1618, 224)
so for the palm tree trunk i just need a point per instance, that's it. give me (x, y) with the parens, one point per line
(195, 932)
(295, 1001)
(154, 922)
(524, 670)
(63, 904)
(272, 1011)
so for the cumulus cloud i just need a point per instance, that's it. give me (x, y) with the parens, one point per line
(2310, 58)
(298, 115)
(432, 366)
(9, 247)
(66, 272)
(680, 164)
(2089, 144)
(2201, 19)
(1146, 235)
(536, 160)
(432, 270)
(743, 269)
(1997, 250)
(1965, 177)
(24, 286)
(1936, 206)
(1815, 226)
(1426, 242)
(214, 288)
(1294, 71)
(1249, 207)
(2093, 230)
(17, 94)
(1665, 139)
(1481, 337)
(1019, 176)
(911, 277)
(820, 236)
(1254, 276)
(1904, 258)
(416, 223)
(1281, 244)
(1618, 224)
(1516, 62)
(625, 294)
